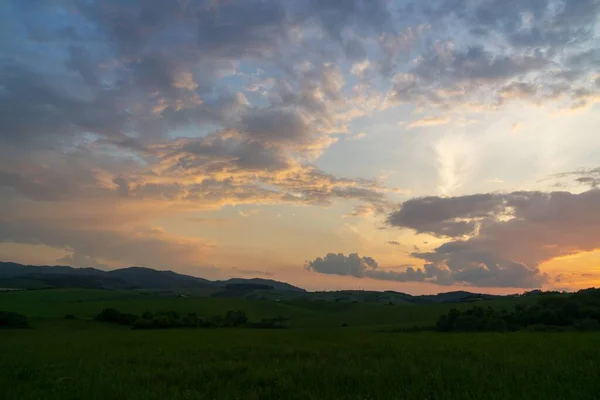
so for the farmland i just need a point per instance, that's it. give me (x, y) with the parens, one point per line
(317, 358)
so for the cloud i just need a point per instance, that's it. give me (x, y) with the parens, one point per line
(339, 264)
(585, 176)
(252, 272)
(79, 260)
(360, 267)
(277, 126)
(429, 121)
(509, 275)
(502, 239)
(248, 213)
(181, 106)
(542, 51)
(113, 244)
(447, 216)
(358, 136)
(208, 221)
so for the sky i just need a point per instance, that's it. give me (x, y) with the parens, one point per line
(416, 146)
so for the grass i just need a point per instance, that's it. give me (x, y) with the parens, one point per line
(83, 303)
(84, 359)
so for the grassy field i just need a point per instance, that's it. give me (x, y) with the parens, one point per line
(82, 303)
(84, 359)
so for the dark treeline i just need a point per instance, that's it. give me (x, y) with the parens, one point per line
(11, 320)
(553, 312)
(172, 319)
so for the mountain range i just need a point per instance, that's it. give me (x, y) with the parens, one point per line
(13, 275)
(18, 276)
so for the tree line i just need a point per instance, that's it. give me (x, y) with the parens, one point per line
(172, 319)
(553, 312)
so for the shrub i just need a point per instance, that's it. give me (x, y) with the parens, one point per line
(272, 323)
(235, 318)
(115, 317)
(159, 320)
(11, 320)
(587, 324)
(170, 319)
(143, 323)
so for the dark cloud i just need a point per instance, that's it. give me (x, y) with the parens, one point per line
(471, 270)
(122, 186)
(361, 267)
(33, 107)
(336, 16)
(220, 153)
(278, 126)
(592, 181)
(339, 264)
(585, 176)
(236, 29)
(450, 216)
(511, 234)
(80, 62)
(476, 64)
(461, 263)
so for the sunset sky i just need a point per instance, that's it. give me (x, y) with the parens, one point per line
(421, 146)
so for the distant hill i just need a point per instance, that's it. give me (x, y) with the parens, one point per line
(392, 297)
(456, 297)
(13, 275)
(148, 278)
(275, 285)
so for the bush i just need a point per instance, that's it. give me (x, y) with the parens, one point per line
(11, 320)
(235, 318)
(272, 323)
(115, 317)
(170, 319)
(159, 320)
(70, 316)
(587, 324)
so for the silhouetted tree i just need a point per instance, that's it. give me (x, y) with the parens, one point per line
(113, 316)
(552, 311)
(235, 318)
(11, 320)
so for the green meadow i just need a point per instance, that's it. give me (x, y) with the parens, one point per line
(316, 358)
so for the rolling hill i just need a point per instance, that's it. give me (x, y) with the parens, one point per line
(13, 275)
